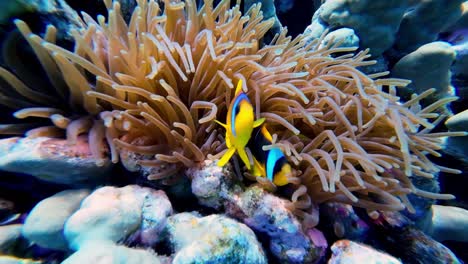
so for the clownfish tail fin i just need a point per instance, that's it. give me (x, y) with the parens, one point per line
(226, 157)
(259, 122)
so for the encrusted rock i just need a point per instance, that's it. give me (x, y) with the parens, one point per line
(349, 252)
(104, 253)
(342, 219)
(53, 160)
(112, 214)
(263, 212)
(212, 239)
(269, 214)
(44, 225)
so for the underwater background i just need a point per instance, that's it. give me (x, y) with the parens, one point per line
(274, 131)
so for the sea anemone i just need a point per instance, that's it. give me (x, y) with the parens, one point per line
(154, 85)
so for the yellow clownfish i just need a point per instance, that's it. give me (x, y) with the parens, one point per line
(271, 163)
(239, 126)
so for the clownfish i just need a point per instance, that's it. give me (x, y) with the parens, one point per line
(271, 163)
(239, 126)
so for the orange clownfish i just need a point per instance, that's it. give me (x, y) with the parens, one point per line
(239, 126)
(271, 163)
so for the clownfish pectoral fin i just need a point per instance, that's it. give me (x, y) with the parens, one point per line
(259, 122)
(222, 124)
(244, 157)
(226, 157)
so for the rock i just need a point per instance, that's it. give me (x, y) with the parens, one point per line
(212, 239)
(15, 260)
(349, 252)
(423, 23)
(284, 6)
(402, 239)
(9, 234)
(381, 65)
(269, 11)
(375, 22)
(460, 66)
(6, 211)
(104, 253)
(427, 67)
(319, 240)
(44, 225)
(457, 146)
(10, 9)
(112, 214)
(346, 35)
(447, 223)
(314, 30)
(53, 160)
(263, 212)
(55, 12)
(462, 22)
(458, 122)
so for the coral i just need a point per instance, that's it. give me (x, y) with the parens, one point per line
(44, 225)
(422, 23)
(154, 85)
(384, 16)
(112, 214)
(9, 235)
(48, 158)
(427, 67)
(102, 253)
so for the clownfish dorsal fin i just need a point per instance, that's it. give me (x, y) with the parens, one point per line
(239, 87)
(222, 124)
(258, 122)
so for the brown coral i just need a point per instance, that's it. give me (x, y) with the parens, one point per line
(159, 81)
